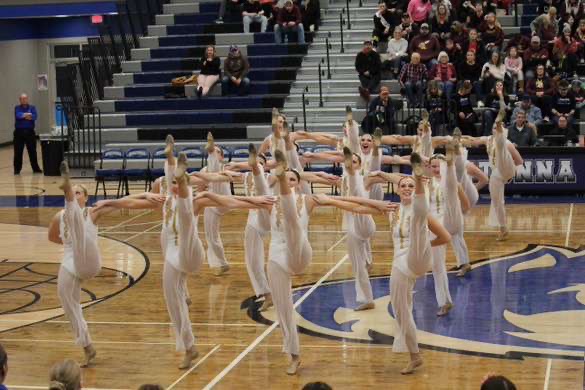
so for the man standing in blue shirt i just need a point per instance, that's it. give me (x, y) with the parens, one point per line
(25, 116)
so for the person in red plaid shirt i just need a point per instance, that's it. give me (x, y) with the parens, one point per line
(413, 77)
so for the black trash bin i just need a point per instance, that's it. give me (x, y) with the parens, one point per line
(52, 149)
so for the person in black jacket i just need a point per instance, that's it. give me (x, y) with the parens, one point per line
(465, 115)
(380, 113)
(210, 71)
(368, 65)
(311, 14)
(436, 105)
(470, 70)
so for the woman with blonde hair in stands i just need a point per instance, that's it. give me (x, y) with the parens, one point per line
(210, 71)
(65, 376)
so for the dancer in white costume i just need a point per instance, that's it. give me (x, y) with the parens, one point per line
(504, 158)
(448, 203)
(181, 247)
(212, 215)
(75, 228)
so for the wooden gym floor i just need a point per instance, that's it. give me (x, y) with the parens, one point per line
(503, 321)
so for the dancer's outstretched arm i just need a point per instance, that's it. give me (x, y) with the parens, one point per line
(209, 199)
(324, 200)
(146, 200)
(319, 138)
(320, 178)
(332, 156)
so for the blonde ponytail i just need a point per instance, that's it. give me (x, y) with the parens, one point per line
(65, 376)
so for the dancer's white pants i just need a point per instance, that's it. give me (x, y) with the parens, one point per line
(82, 261)
(257, 226)
(290, 253)
(186, 257)
(212, 218)
(360, 229)
(502, 173)
(404, 273)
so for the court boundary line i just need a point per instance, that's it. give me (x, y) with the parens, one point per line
(269, 330)
(547, 374)
(569, 225)
(337, 243)
(125, 221)
(141, 233)
(199, 362)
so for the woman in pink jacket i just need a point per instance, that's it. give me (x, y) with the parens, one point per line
(419, 10)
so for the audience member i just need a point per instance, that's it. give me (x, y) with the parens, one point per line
(521, 133)
(470, 70)
(520, 41)
(210, 71)
(497, 383)
(536, 54)
(580, 37)
(25, 115)
(382, 26)
(228, 9)
(533, 113)
(563, 104)
(288, 21)
(3, 367)
(474, 44)
(571, 11)
(513, 64)
(413, 77)
(495, 100)
(65, 376)
(419, 10)
(546, 26)
(493, 71)
(465, 115)
(397, 53)
(578, 93)
(235, 69)
(476, 18)
(444, 72)
(311, 15)
(252, 12)
(541, 90)
(426, 45)
(409, 29)
(453, 51)
(564, 54)
(380, 113)
(563, 128)
(441, 23)
(436, 105)
(492, 34)
(368, 66)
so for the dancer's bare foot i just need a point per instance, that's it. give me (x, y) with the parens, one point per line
(66, 184)
(90, 354)
(502, 234)
(450, 152)
(464, 270)
(445, 309)
(365, 306)
(218, 271)
(252, 155)
(170, 145)
(295, 363)
(210, 143)
(348, 159)
(412, 365)
(417, 165)
(501, 116)
(370, 267)
(268, 303)
(281, 164)
(348, 115)
(457, 140)
(424, 116)
(190, 355)
(181, 170)
(275, 114)
(378, 137)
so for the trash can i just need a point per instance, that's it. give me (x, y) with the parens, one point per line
(52, 150)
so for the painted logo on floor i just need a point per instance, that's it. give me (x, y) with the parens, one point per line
(529, 303)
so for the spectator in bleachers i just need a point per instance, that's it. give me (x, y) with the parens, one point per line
(409, 29)
(252, 12)
(436, 105)
(426, 45)
(369, 67)
(493, 71)
(492, 34)
(522, 133)
(311, 14)
(65, 376)
(546, 26)
(564, 54)
(470, 70)
(454, 52)
(289, 20)
(235, 69)
(3, 367)
(395, 7)
(382, 27)
(466, 11)
(563, 104)
(210, 71)
(578, 93)
(494, 101)
(521, 42)
(489, 6)
(533, 113)
(536, 54)
(580, 37)
(441, 23)
(513, 64)
(466, 117)
(541, 89)
(228, 9)
(413, 77)
(571, 11)
(419, 10)
(475, 19)
(437, 3)
(563, 128)
(474, 44)
(397, 53)
(269, 12)
(458, 34)
(380, 113)
(544, 5)
(444, 72)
